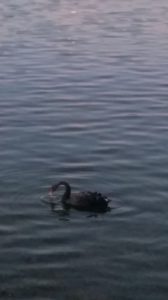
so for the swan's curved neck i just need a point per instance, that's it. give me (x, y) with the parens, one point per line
(67, 192)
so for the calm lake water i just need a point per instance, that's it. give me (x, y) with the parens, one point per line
(84, 98)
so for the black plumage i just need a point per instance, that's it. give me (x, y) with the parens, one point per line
(84, 201)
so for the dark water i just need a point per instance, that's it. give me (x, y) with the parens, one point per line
(84, 98)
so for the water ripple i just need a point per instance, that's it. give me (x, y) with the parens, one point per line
(84, 99)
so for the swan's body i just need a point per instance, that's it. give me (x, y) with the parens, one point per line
(86, 201)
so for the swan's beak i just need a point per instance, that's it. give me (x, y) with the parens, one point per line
(50, 192)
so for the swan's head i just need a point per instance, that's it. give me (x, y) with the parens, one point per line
(50, 192)
(54, 187)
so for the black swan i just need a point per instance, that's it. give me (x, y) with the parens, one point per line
(85, 201)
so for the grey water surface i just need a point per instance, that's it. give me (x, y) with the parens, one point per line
(84, 98)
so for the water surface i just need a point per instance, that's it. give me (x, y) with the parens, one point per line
(84, 99)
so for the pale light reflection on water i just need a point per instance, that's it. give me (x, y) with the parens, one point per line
(84, 99)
